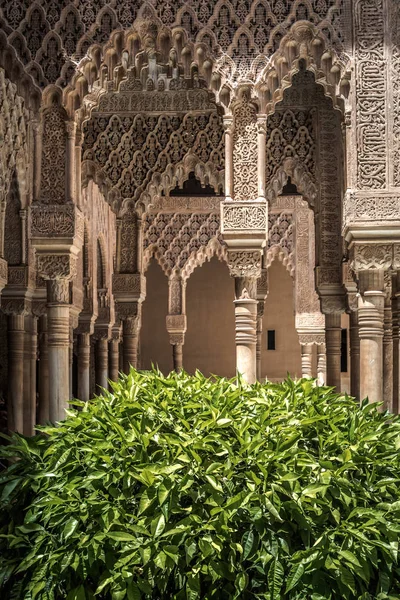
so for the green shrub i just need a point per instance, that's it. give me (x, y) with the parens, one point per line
(186, 487)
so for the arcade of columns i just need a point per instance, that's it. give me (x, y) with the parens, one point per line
(91, 157)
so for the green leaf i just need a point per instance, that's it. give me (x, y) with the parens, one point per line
(158, 525)
(275, 579)
(121, 536)
(295, 575)
(70, 527)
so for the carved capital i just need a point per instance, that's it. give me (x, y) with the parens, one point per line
(311, 338)
(58, 291)
(56, 266)
(371, 256)
(127, 310)
(333, 304)
(15, 306)
(244, 263)
(176, 324)
(3, 273)
(132, 283)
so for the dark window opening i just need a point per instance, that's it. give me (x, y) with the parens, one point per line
(271, 339)
(289, 189)
(192, 187)
(343, 357)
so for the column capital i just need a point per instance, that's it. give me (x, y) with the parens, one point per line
(244, 263)
(3, 273)
(58, 291)
(176, 327)
(62, 225)
(129, 286)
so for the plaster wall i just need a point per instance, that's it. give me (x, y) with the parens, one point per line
(279, 316)
(210, 337)
(154, 341)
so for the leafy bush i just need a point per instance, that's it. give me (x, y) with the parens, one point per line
(186, 487)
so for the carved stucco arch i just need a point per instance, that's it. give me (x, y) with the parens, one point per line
(324, 187)
(305, 47)
(276, 252)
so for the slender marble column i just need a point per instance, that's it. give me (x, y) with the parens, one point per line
(130, 340)
(306, 360)
(70, 188)
(71, 362)
(261, 144)
(84, 366)
(370, 320)
(333, 334)
(388, 359)
(177, 356)
(246, 327)
(354, 356)
(260, 315)
(43, 383)
(16, 333)
(321, 364)
(396, 341)
(101, 364)
(228, 127)
(30, 356)
(58, 346)
(113, 359)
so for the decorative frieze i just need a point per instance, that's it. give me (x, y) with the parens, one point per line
(57, 221)
(133, 283)
(370, 209)
(244, 217)
(371, 88)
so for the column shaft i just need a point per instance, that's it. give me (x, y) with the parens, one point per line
(101, 364)
(259, 346)
(113, 360)
(306, 360)
(388, 359)
(370, 320)
(130, 343)
(396, 350)
(84, 366)
(321, 364)
(58, 347)
(177, 356)
(30, 352)
(16, 327)
(246, 337)
(333, 334)
(43, 383)
(354, 356)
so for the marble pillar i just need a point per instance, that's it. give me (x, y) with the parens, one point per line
(101, 364)
(333, 335)
(84, 366)
(71, 362)
(306, 360)
(43, 382)
(370, 321)
(30, 356)
(246, 327)
(387, 359)
(16, 334)
(58, 346)
(228, 128)
(321, 364)
(354, 356)
(113, 359)
(260, 315)
(130, 341)
(177, 357)
(396, 341)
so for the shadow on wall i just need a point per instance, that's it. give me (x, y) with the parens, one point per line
(154, 340)
(279, 316)
(210, 338)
